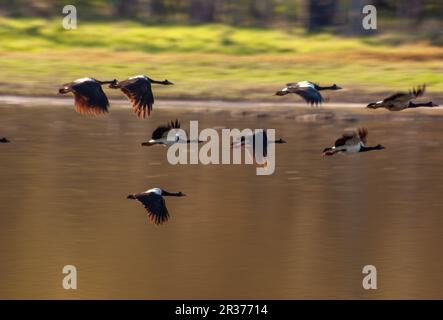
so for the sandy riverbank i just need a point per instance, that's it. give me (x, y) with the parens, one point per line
(294, 110)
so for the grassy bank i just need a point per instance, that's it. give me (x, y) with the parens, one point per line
(213, 61)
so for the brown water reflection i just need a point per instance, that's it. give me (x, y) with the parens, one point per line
(304, 232)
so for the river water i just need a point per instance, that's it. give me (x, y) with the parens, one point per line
(306, 231)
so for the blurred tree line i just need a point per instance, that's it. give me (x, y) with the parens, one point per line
(312, 14)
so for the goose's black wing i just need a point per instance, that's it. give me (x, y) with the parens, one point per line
(308, 93)
(155, 205)
(363, 134)
(162, 131)
(345, 139)
(403, 97)
(139, 92)
(89, 98)
(264, 138)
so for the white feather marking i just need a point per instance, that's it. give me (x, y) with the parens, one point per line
(165, 141)
(305, 84)
(138, 77)
(83, 80)
(157, 191)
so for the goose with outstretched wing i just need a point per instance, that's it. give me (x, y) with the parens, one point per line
(352, 141)
(138, 89)
(308, 90)
(402, 100)
(89, 97)
(155, 204)
(160, 135)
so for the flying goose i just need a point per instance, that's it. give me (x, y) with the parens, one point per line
(402, 100)
(352, 141)
(155, 204)
(309, 91)
(160, 135)
(255, 138)
(89, 97)
(4, 140)
(139, 92)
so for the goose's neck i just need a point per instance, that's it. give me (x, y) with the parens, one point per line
(366, 149)
(189, 141)
(108, 82)
(171, 194)
(416, 105)
(325, 88)
(158, 82)
(278, 141)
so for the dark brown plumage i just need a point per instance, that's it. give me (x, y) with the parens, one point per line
(89, 97)
(139, 92)
(161, 131)
(402, 100)
(155, 204)
(160, 135)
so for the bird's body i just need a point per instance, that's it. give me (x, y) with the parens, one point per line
(255, 139)
(138, 89)
(155, 204)
(160, 135)
(309, 91)
(89, 97)
(4, 140)
(352, 141)
(402, 100)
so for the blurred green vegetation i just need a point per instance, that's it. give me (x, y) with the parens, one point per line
(208, 61)
(40, 34)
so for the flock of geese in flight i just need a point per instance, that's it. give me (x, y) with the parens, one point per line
(90, 99)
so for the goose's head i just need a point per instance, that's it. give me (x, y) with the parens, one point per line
(335, 87)
(281, 92)
(113, 84)
(379, 147)
(374, 105)
(328, 152)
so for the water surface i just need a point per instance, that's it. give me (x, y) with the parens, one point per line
(304, 232)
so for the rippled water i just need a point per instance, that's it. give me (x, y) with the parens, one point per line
(304, 232)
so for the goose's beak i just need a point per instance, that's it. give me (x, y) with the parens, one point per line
(328, 152)
(147, 144)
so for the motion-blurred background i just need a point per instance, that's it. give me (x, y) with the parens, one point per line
(223, 49)
(304, 232)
